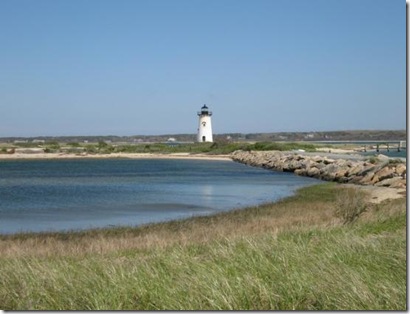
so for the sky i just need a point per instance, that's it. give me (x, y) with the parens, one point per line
(145, 67)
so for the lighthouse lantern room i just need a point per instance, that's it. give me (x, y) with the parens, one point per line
(205, 125)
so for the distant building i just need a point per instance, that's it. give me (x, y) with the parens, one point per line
(310, 135)
(205, 125)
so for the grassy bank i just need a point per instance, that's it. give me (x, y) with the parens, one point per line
(218, 147)
(314, 250)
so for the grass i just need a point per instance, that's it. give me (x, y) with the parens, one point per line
(214, 148)
(218, 147)
(293, 254)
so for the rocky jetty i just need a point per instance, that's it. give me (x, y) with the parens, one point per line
(377, 172)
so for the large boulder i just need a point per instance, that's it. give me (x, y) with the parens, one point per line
(385, 173)
(367, 179)
(401, 169)
(354, 170)
(301, 172)
(313, 172)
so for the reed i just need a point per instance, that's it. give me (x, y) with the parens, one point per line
(293, 254)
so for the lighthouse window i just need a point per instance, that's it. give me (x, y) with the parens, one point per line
(203, 123)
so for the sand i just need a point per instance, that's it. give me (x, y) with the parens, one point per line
(377, 194)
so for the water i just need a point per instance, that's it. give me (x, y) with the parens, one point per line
(393, 153)
(57, 195)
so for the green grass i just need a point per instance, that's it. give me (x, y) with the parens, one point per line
(294, 254)
(216, 148)
(164, 148)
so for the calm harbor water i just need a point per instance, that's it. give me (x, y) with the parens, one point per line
(57, 195)
(393, 153)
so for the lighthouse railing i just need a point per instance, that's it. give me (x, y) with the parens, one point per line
(204, 113)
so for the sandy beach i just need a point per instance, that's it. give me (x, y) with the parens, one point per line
(113, 155)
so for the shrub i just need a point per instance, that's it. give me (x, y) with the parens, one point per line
(53, 145)
(350, 204)
(373, 160)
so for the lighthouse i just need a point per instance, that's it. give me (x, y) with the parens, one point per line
(205, 125)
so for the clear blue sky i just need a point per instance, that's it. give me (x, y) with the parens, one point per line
(134, 67)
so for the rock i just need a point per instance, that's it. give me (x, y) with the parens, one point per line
(301, 172)
(355, 170)
(313, 172)
(391, 182)
(375, 179)
(341, 173)
(327, 161)
(306, 164)
(367, 179)
(399, 184)
(317, 159)
(366, 169)
(320, 165)
(327, 176)
(330, 168)
(343, 163)
(385, 173)
(382, 157)
(401, 169)
(292, 165)
(354, 179)
(342, 179)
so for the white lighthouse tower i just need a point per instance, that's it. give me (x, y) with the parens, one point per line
(205, 125)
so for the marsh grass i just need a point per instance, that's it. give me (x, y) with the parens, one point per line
(294, 254)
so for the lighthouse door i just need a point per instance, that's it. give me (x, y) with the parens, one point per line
(203, 138)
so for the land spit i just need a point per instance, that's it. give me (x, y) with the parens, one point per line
(379, 172)
(42, 155)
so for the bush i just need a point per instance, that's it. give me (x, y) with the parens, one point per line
(281, 146)
(373, 160)
(52, 144)
(350, 204)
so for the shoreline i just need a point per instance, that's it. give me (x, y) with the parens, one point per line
(24, 156)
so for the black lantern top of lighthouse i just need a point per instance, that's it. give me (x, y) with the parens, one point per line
(204, 111)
